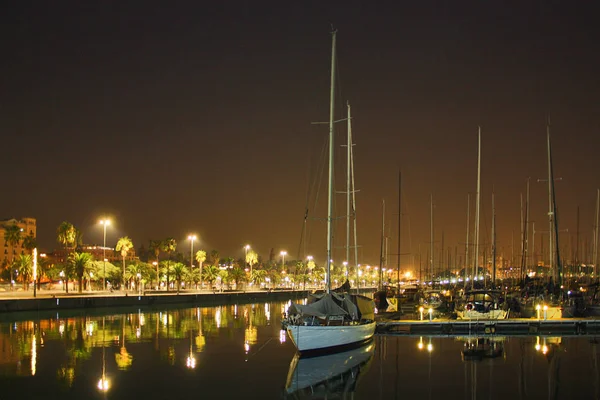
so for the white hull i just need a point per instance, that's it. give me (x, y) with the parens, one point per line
(307, 338)
(309, 372)
(472, 314)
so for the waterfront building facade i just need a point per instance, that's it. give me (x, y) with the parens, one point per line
(27, 226)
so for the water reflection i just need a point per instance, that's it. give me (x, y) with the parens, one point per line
(328, 376)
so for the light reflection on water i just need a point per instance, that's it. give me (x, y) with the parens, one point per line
(239, 351)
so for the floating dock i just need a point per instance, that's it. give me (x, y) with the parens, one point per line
(513, 326)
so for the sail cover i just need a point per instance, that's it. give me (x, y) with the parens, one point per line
(328, 305)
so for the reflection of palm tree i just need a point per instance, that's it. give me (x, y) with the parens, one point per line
(123, 358)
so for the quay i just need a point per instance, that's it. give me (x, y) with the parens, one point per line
(513, 326)
(19, 302)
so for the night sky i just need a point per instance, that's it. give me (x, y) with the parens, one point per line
(195, 116)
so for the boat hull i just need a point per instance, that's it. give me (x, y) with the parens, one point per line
(308, 338)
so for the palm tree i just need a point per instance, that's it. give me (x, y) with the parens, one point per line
(169, 245)
(258, 276)
(12, 236)
(124, 245)
(155, 246)
(211, 273)
(24, 266)
(67, 236)
(80, 264)
(200, 257)
(237, 275)
(215, 258)
(29, 243)
(251, 259)
(179, 271)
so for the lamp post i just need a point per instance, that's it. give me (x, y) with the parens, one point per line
(246, 248)
(283, 254)
(191, 239)
(157, 276)
(105, 223)
(345, 263)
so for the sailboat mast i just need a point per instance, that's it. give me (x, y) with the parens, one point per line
(353, 204)
(399, 222)
(348, 161)
(382, 254)
(467, 242)
(477, 208)
(431, 252)
(493, 240)
(331, 153)
(596, 234)
(550, 213)
(526, 229)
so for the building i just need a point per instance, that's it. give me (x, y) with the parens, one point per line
(28, 228)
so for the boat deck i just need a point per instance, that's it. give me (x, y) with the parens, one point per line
(513, 326)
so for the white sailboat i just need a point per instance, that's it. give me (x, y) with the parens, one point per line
(331, 321)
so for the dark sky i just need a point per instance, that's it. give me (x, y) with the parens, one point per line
(179, 117)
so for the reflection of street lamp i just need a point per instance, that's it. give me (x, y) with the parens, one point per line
(105, 223)
(191, 239)
(103, 383)
(34, 272)
(283, 254)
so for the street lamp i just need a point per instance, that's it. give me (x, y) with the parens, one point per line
(105, 223)
(191, 239)
(345, 263)
(157, 276)
(283, 254)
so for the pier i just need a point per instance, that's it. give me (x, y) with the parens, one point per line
(513, 326)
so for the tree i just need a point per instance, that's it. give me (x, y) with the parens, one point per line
(169, 245)
(155, 246)
(215, 258)
(124, 245)
(200, 257)
(80, 263)
(179, 271)
(211, 273)
(67, 235)
(29, 243)
(258, 276)
(251, 259)
(237, 275)
(12, 236)
(24, 266)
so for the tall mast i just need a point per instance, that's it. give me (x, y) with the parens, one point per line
(399, 222)
(467, 242)
(596, 234)
(431, 252)
(493, 240)
(550, 210)
(534, 259)
(348, 162)
(331, 153)
(382, 254)
(526, 230)
(353, 205)
(477, 207)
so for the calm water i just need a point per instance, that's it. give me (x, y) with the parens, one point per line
(239, 352)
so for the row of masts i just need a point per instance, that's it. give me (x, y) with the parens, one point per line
(473, 250)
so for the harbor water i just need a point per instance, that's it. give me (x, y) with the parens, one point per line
(239, 351)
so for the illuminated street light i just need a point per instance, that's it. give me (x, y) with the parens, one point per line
(34, 272)
(105, 223)
(191, 238)
(283, 254)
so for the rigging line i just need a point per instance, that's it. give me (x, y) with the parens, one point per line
(259, 349)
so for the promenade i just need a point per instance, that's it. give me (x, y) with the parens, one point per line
(18, 301)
